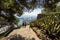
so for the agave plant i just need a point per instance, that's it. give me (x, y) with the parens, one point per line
(50, 24)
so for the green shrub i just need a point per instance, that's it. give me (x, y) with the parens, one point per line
(50, 24)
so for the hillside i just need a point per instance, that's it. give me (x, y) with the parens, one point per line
(25, 32)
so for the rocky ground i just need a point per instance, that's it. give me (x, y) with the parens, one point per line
(23, 33)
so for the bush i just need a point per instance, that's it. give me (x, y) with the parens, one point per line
(51, 24)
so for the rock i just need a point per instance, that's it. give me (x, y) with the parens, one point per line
(25, 32)
(40, 33)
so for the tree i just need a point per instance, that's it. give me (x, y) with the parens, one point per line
(11, 7)
(51, 25)
(51, 4)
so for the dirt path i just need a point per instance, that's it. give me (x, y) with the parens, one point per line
(26, 32)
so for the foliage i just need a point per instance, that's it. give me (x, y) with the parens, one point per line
(58, 9)
(51, 4)
(50, 24)
(11, 7)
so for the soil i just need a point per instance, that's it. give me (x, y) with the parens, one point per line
(25, 32)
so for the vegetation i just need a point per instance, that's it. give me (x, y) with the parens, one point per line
(8, 8)
(11, 7)
(51, 24)
(50, 5)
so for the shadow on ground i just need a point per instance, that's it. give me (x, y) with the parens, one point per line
(18, 37)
